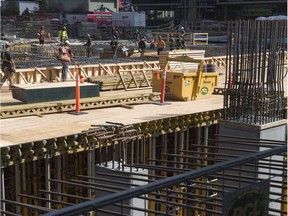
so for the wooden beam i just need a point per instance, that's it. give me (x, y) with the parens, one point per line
(36, 69)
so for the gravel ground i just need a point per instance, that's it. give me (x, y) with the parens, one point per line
(42, 61)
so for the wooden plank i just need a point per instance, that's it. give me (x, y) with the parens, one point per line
(180, 53)
(122, 79)
(71, 75)
(23, 77)
(133, 78)
(84, 72)
(106, 70)
(42, 74)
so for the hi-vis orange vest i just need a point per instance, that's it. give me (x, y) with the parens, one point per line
(161, 44)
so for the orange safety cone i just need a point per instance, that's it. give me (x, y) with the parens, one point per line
(163, 86)
(77, 93)
(77, 96)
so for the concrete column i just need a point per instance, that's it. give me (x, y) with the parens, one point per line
(271, 131)
(275, 131)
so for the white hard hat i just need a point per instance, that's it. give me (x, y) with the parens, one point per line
(67, 42)
(182, 27)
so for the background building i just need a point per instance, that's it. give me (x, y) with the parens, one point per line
(196, 10)
(80, 6)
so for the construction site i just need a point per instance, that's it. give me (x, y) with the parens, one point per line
(200, 131)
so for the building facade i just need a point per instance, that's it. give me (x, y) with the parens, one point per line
(196, 10)
(81, 6)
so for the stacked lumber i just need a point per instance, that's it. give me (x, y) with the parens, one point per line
(199, 54)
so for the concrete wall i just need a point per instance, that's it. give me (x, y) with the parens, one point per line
(275, 131)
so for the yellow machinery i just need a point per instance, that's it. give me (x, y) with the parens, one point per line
(185, 84)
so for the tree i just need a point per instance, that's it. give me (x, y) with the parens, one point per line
(11, 9)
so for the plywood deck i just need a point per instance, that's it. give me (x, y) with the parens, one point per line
(16, 131)
(26, 129)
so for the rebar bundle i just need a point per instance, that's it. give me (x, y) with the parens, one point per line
(256, 54)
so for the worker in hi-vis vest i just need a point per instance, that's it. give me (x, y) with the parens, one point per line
(160, 45)
(63, 35)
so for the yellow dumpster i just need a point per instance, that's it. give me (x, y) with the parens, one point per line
(186, 84)
(206, 86)
(179, 85)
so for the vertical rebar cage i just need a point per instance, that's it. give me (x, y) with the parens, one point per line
(256, 55)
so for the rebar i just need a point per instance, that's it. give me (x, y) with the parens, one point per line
(256, 53)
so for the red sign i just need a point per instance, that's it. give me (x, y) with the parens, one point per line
(99, 17)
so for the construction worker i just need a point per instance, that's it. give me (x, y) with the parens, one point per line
(137, 37)
(65, 55)
(182, 43)
(63, 35)
(142, 45)
(88, 44)
(182, 31)
(8, 65)
(172, 42)
(115, 33)
(152, 43)
(41, 35)
(160, 45)
(114, 46)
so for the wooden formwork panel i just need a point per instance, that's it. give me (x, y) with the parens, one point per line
(52, 74)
